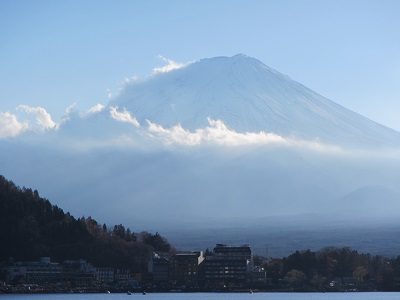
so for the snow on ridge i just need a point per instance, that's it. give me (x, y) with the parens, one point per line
(247, 96)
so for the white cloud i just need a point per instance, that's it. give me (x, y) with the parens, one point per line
(10, 126)
(110, 94)
(217, 133)
(69, 111)
(97, 108)
(70, 108)
(176, 134)
(129, 80)
(171, 65)
(43, 118)
(124, 116)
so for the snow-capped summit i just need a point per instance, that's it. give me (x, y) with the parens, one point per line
(115, 166)
(247, 96)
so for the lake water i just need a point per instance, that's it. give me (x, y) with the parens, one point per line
(211, 296)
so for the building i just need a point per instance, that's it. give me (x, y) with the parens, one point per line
(34, 272)
(158, 269)
(105, 275)
(257, 278)
(78, 273)
(228, 266)
(184, 269)
(122, 276)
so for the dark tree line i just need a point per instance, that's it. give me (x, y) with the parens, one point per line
(315, 269)
(31, 227)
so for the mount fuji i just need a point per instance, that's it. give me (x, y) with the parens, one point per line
(219, 143)
(248, 96)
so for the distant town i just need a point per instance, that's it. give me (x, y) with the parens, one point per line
(225, 268)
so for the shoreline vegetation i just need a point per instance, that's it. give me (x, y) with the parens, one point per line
(32, 228)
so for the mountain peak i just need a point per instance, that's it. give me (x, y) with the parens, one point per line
(236, 60)
(240, 55)
(247, 96)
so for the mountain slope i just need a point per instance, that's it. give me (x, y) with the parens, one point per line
(377, 199)
(108, 165)
(247, 96)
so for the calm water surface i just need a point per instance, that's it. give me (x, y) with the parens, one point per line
(212, 296)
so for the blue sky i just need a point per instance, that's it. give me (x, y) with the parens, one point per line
(56, 53)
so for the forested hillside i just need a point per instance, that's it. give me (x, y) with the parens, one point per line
(31, 227)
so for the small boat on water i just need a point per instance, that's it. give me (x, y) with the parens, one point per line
(129, 293)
